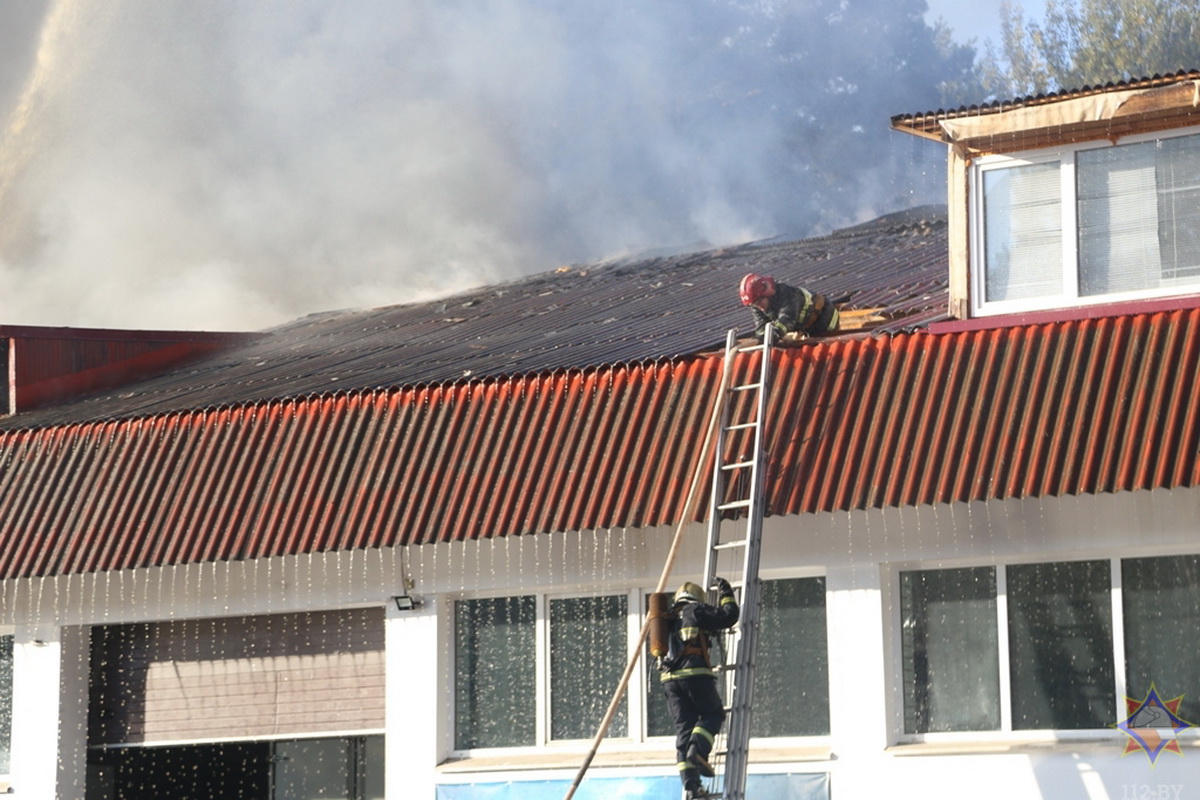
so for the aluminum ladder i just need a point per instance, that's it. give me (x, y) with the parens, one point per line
(734, 544)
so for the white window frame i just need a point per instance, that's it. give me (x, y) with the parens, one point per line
(1006, 734)
(1066, 156)
(635, 695)
(635, 706)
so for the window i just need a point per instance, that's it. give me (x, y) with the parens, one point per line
(948, 619)
(522, 660)
(1056, 624)
(6, 696)
(1103, 223)
(495, 684)
(335, 768)
(1060, 646)
(1024, 232)
(497, 648)
(791, 681)
(1161, 608)
(588, 650)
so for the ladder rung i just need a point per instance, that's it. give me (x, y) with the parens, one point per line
(738, 465)
(741, 426)
(746, 387)
(734, 504)
(730, 545)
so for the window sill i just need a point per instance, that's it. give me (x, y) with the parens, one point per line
(658, 757)
(1082, 745)
(1079, 311)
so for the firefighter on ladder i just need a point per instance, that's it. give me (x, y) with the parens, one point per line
(689, 681)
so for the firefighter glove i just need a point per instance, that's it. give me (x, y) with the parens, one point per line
(722, 586)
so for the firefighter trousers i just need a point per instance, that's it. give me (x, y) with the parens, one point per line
(698, 712)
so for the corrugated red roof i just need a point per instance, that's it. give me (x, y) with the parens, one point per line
(1086, 406)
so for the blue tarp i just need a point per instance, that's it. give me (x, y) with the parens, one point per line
(800, 786)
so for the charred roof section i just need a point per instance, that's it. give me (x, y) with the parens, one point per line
(625, 310)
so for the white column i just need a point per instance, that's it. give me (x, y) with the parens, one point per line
(858, 698)
(417, 705)
(49, 712)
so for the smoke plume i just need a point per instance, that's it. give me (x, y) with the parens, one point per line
(233, 164)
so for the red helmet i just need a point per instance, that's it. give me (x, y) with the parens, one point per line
(756, 287)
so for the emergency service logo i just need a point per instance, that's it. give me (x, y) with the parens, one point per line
(1153, 725)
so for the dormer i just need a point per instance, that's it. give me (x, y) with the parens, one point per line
(1072, 200)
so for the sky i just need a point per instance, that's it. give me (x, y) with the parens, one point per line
(236, 164)
(978, 19)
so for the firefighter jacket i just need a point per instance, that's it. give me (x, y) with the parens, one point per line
(795, 309)
(692, 627)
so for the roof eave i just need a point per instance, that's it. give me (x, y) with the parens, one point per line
(1065, 119)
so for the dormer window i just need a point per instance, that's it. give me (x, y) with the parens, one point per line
(1076, 199)
(1086, 224)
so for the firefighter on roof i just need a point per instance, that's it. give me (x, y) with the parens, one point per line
(791, 309)
(689, 681)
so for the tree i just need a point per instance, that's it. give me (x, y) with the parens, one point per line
(826, 75)
(1090, 42)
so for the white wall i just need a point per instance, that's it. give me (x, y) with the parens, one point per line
(49, 714)
(417, 700)
(859, 552)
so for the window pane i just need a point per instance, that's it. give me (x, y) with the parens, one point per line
(1118, 220)
(1060, 645)
(1161, 598)
(588, 648)
(372, 765)
(6, 675)
(311, 768)
(950, 649)
(1139, 216)
(495, 679)
(1022, 232)
(1178, 173)
(791, 679)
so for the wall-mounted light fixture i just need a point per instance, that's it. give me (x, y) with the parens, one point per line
(406, 602)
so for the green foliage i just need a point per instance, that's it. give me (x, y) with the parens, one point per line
(1090, 42)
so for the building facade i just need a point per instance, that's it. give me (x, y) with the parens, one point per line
(981, 559)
